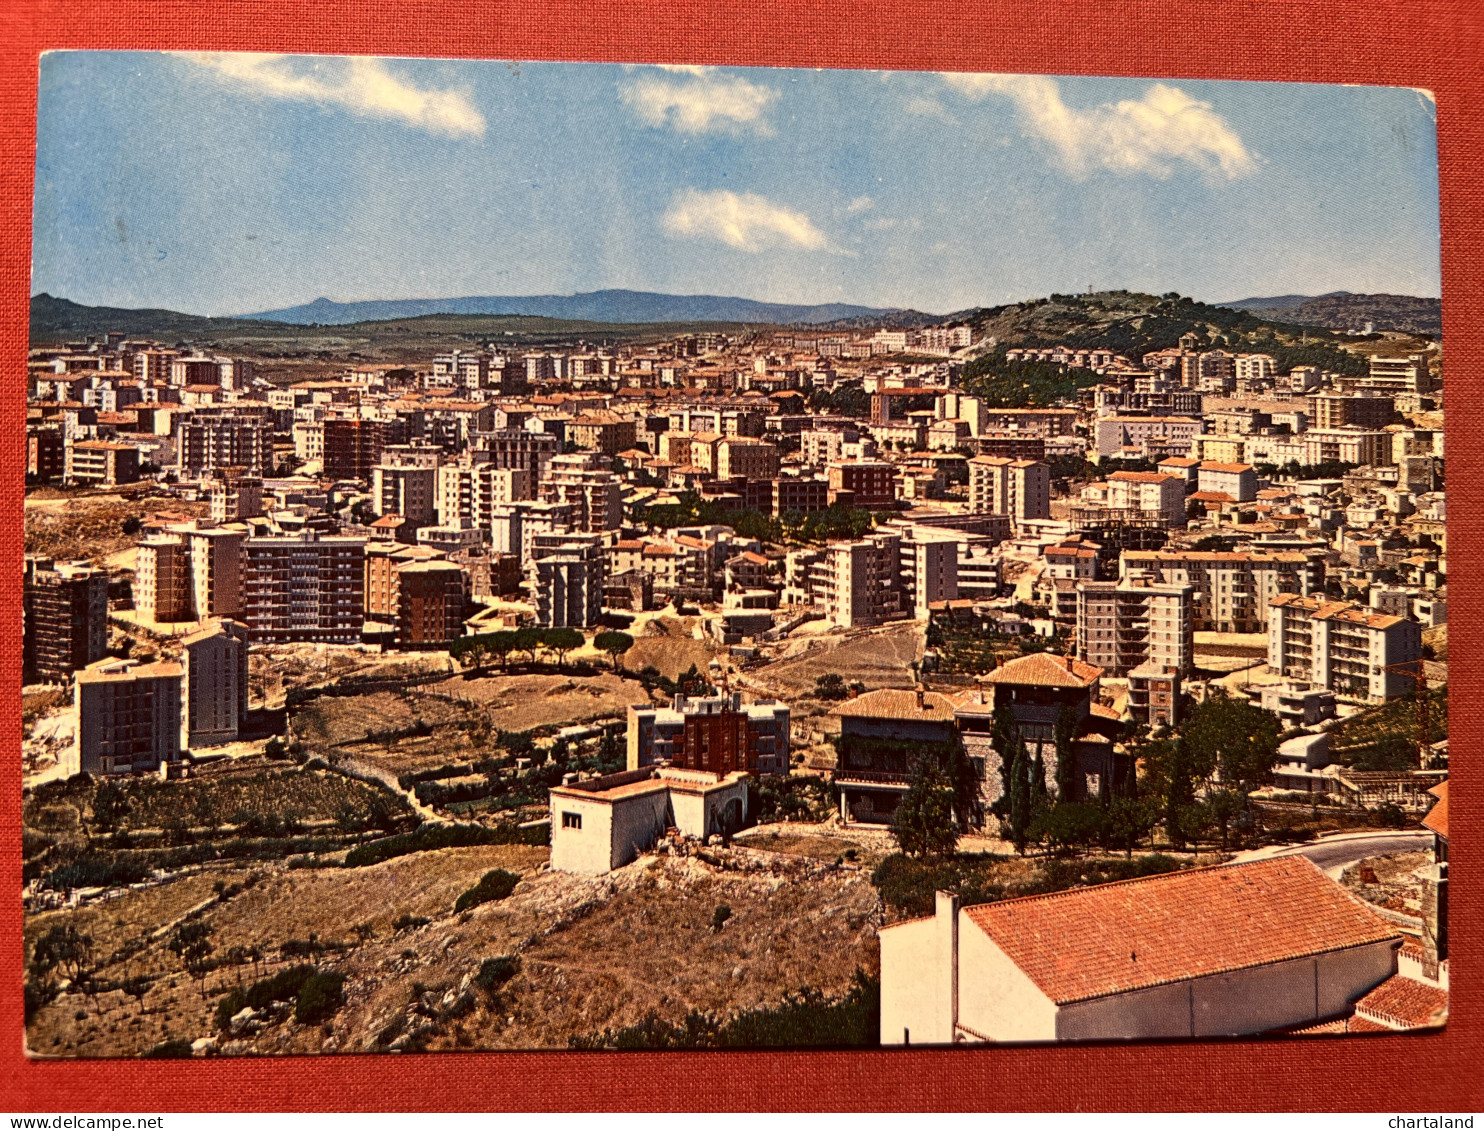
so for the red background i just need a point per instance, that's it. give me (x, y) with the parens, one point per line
(1435, 45)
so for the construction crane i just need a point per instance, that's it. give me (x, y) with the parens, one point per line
(1416, 671)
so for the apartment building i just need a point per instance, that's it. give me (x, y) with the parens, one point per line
(934, 575)
(1151, 491)
(797, 493)
(234, 495)
(468, 491)
(1237, 481)
(100, 463)
(1115, 435)
(351, 448)
(430, 603)
(214, 678)
(821, 446)
(1410, 374)
(410, 491)
(859, 582)
(306, 587)
(584, 482)
(522, 449)
(872, 482)
(1336, 410)
(603, 432)
(1342, 646)
(1232, 590)
(64, 609)
(1122, 625)
(162, 579)
(128, 717)
(384, 562)
(1018, 488)
(568, 571)
(188, 574)
(211, 438)
(1347, 445)
(719, 733)
(742, 456)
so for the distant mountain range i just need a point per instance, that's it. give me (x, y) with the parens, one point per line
(594, 306)
(1341, 310)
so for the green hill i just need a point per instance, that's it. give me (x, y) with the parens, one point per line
(1132, 324)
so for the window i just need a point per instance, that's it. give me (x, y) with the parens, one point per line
(571, 820)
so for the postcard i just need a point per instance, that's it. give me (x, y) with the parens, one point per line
(583, 556)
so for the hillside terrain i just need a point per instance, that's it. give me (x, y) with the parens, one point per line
(1341, 310)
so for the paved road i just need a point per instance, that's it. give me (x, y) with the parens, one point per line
(1335, 854)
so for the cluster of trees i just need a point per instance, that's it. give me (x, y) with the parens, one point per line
(691, 509)
(1195, 784)
(476, 651)
(1022, 384)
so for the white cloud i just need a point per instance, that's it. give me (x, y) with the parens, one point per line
(744, 221)
(361, 85)
(1150, 135)
(699, 101)
(860, 204)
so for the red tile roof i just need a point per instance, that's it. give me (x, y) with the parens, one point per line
(1437, 816)
(889, 703)
(1112, 938)
(1404, 1003)
(1044, 670)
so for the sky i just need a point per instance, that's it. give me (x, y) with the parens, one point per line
(229, 184)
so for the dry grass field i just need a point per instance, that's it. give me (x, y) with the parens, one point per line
(68, 525)
(877, 658)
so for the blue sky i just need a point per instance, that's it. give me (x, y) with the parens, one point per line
(224, 184)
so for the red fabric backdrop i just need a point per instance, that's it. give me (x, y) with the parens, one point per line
(1423, 43)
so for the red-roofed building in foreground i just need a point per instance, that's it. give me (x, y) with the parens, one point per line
(1207, 952)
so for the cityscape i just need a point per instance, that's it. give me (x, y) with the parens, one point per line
(628, 669)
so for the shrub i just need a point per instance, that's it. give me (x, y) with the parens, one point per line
(493, 885)
(168, 1050)
(319, 998)
(723, 913)
(283, 986)
(495, 972)
(402, 922)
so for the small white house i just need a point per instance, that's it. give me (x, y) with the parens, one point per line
(604, 823)
(1224, 951)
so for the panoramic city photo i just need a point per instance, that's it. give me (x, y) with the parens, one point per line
(594, 556)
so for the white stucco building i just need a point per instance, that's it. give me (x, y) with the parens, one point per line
(1224, 951)
(606, 822)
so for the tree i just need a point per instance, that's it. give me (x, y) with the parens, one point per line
(923, 823)
(1020, 796)
(1179, 794)
(614, 643)
(830, 686)
(1068, 825)
(527, 640)
(63, 949)
(110, 805)
(1128, 820)
(562, 640)
(1232, 738)
(1221, 807)
(192, 944)
(1003, 736)
(1064, 738)
(501, 644)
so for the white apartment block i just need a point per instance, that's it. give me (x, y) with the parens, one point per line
(1237, 480)
(1112, 435)
(408, 491)
(1123, 625)
(854, 579)
(1233, 591)
(568, 571)
(1149, 491)
(934, 572)
(1019, 488)
(583, 482)
(1342, 646)
(468, 491)
(1347, 445)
